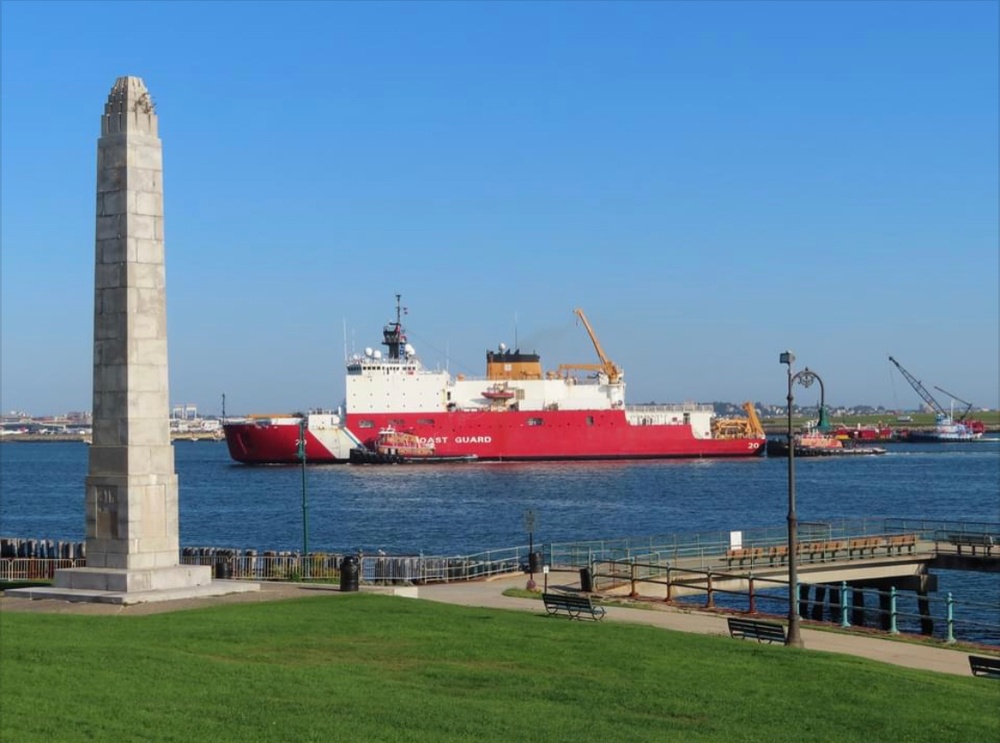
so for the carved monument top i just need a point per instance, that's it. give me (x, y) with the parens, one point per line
(129, 109)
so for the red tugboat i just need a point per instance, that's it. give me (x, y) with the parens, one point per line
(876, 432)
(520, 413)
(399, 447)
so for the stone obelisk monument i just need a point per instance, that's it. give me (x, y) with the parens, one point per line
(133, 550)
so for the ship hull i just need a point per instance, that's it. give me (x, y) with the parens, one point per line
(470, 436)
(560, 435)
(934, 437)
(278, 443)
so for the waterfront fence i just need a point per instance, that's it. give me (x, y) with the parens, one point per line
(36, 559)
(704, 549)
(35, 568)
(894, 611)
(377, 569)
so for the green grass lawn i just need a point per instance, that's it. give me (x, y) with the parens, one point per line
(377, 668)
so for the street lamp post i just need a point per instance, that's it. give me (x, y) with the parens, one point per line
(305, 508)
(805, 377)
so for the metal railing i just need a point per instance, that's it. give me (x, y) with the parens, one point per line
(840, 604)
(704, 549)
(35, 568)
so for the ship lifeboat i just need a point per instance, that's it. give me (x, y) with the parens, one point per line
(498, 393)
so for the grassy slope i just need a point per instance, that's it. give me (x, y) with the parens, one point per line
(374, 668)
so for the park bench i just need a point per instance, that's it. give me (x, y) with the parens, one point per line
(740, 554)
(899, 541)
(756, 629)
(861, 545)
(575, 605)
(982, 665)
(812, 550)
(809, 550)
(835, 547)
(778, 553)
(985, 541)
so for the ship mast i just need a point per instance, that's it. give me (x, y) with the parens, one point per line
(393, 337)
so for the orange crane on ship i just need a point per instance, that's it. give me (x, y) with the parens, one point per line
(609, 367)
(739, 428)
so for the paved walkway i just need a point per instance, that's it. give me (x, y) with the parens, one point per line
(489, 594)
(910, 654)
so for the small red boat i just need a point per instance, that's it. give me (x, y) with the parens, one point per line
(877, 432)
(399, 447)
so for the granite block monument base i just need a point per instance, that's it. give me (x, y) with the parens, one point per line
(117, 586)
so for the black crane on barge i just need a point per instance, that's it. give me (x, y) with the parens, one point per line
(974, 426)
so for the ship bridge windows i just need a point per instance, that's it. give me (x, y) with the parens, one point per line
(534, 421)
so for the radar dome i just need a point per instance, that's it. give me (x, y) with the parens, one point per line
(377, 355)
(503, 347)
(368, 351)
(409, 349)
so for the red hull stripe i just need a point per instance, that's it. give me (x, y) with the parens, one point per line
(512, 435)
(569, 434)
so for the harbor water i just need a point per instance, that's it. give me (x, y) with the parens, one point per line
(466, 508)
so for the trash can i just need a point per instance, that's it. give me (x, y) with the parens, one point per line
(535, 562)
(350, 573)
(586, 580)
(223, 569)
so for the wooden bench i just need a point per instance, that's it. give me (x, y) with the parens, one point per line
(835, 547)
(575, 605)
(753, 554)
(899, 541)
(983, 665)
(985, 541)
(861, 545)
(756, 629)
(811, 549)
(778, 554)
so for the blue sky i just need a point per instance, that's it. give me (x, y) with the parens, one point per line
(711, 182)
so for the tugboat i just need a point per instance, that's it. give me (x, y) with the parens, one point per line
(820, 442)
(400, 447)
(816, 444)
